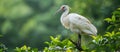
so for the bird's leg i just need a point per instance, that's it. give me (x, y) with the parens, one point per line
(79, 43)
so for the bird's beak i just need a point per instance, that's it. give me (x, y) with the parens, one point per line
(58, 11)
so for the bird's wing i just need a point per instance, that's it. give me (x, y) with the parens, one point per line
(82, 23)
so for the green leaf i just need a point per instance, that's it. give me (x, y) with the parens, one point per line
(118, 33)
(108, 19)
(34, 50)
(25, 48)
(52, 38)
(47, 43)
(113, 33)
(113, 18)
(109, 27)
(118, 8)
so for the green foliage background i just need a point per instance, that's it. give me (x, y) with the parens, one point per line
(31, 22)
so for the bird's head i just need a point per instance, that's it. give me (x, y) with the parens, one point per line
(64, 8)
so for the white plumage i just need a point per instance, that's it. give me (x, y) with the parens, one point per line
(76, 23)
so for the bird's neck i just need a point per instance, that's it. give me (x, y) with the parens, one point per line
(65, 13)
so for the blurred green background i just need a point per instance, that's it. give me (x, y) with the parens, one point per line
(31, 22)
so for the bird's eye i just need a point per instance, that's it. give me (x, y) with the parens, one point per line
(63, 8)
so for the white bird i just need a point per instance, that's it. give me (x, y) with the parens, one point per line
(76, 23)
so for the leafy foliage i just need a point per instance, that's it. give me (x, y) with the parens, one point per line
(26, 49)
(57, 45)
(114, 21)
(3, 48)
(110, 41)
